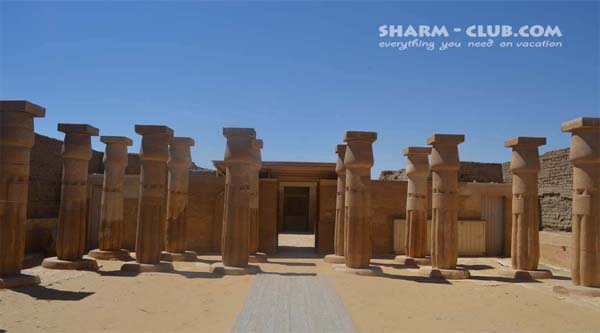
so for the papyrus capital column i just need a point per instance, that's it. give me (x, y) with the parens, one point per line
(444, 166)
(239, 156)
(358, 161)
(585, 157)
(154, 153)
(16, 140)
(179, 164)
(72, 218)
(339, 232)
(253, 240)
(417, 171)
(110, 237)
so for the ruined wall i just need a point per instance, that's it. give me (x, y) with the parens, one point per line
(268, 203)
(388, 202)
(555, 185)
(204, 214)
(469, 172)
(326, 224)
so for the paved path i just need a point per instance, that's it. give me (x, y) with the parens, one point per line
(293, 303)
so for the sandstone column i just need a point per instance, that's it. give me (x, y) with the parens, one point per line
(525, 243)
(110, 237)
(444, 219)
(417, 171)
(72, 218)
(179, 164)
(339, 234)
(16, 139)
(358, 161)
(585, 157)
(154, 153)
(236, 212)
(255, 167)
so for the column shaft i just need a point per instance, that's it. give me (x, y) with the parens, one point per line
(339, 235)
(417, 171)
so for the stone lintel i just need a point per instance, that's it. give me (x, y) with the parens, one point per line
(116, 139)
(340, 149)
(22, 106)
(582, 123)
(181, 140)
(153, 129)
(359, 135)
(416, 151)
(446, 139)
(525, 141)
(238, 131)
(78, 128)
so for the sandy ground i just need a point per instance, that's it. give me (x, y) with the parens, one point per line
(191, 300)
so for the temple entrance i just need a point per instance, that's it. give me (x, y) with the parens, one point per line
(295, 209)
(297, 212)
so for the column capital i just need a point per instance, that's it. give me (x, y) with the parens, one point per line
(153, 130)
(84, 129)
(583, 123)
(239, 131)
(525, 155)
(445, 139)
(444, 155)
(22, 106)
(585, 140)
(525, 141)
(240, 145)
(182, 141)
(416, 151)
(340, 168)
(116, 140)
(360, 136)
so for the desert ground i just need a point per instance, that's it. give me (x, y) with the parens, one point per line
(192, 300)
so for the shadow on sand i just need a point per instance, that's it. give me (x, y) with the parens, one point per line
(49, 294)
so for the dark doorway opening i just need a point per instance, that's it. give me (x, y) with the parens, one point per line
(296, 209)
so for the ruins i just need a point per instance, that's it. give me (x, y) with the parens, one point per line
(340, 230)
(253, 239)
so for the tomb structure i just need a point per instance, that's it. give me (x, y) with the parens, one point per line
(417, 171)
(253, 241)
(525, 243)
(585, 158)
(338, 242)
(239, 156)
(180, 161)
(72, 217)
(154, 153)
(16, 139)
(110, 237)
(444, 166)
(358, 161)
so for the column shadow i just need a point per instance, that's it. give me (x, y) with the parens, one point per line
(419, 279)
(49, 294)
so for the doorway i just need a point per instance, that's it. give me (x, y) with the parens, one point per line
(295, 209)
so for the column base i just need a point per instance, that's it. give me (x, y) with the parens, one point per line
(122, 255)
(19, 280)
(77, 264)
(366, 271)
(577, 290)
(521, 274)
(335, 259)
(161, 266)
(220, 269)
(411, 261)
(443, 273)
(184, 256)
(257, 257)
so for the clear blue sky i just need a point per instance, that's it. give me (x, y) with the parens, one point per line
(300, 73)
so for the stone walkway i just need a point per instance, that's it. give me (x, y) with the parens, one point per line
(293, 302)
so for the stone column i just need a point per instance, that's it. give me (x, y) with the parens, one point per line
(444, 218)
(154, 153)
(179, 164)
(72, 218)
(253, 241)
(110, 237)
(585, 157)
(417, 171)
(236, 211)
(358, 161)
(339, 234)
(16, 139)
(525, 242)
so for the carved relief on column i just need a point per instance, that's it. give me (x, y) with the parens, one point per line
(254, 240)
(154, 153)
(239, 156)
(72, 217)
(417, 171)
(16, 139)
(358, 161)
(110, 238)
(339, 233)
(444, 166)
(179, 164)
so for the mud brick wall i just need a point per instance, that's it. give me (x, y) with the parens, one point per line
(555, 184)
(469, 172)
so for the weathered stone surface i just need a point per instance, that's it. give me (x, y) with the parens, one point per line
(220, 269)
(72, 218)
(254, 203)
(585, 157)
(110, 238)
(161, 266)
(417, 171)
(179, 256)
(339, 233)
(448, 274)
(363, 271)
(335, 259)
(16, 140)
(522, 274)
(179, 163)
(358, 161)
(409, 261)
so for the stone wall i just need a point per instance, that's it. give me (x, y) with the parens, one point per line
(469, 172)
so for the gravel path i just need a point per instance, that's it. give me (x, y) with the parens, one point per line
(293, 303)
